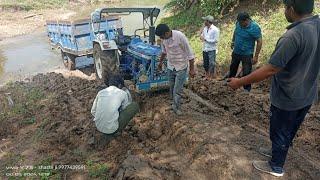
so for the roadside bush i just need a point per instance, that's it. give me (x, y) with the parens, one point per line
(26, 5)
(269, 14)
(214, 7)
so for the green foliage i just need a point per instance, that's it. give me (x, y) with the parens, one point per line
(184, 18)
(28, 121)
(177, 5)
(272, 23)
(12, 159)
(97, 170)
(40, 130)
(25, 103)
(216, 7)
(31, 4)
(15, 6)
(213, 7)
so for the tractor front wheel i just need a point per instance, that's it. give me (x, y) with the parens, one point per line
(105, 63)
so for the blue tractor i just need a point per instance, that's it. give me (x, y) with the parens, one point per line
(102, 37)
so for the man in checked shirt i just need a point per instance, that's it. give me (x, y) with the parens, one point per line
(176, 48)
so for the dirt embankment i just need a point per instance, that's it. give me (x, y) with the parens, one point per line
(15, 21)
(26, 22)
(204, 143)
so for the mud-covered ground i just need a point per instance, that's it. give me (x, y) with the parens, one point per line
(48, 122)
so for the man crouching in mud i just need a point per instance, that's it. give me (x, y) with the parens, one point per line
(113, 109)
(294, 67)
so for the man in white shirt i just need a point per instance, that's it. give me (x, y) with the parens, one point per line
(209, 37)
(176, 48)
(113, 108)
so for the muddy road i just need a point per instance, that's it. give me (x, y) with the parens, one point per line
(204, 143)
(25, 56)
(22, 57)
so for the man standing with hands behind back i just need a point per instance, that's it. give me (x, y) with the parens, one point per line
(176, 48)
(209, 37)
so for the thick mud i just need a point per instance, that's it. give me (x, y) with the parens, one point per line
(203, 143)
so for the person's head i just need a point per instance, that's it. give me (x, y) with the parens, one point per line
(208, 20)
(297, 9)
(163, 31)
(244, 19)
(116, 80)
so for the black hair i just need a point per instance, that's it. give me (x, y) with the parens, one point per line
(242, 16)
(161, 29)
(301, 7)
(116, 80)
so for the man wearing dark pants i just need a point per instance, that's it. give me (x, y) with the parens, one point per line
(318, 100)
(113, 109)
(294, 67)
(209, 36)
(246, 33)
(176, 48)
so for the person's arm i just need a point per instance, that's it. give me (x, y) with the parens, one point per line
(128, 95)
(186, 47)
(191, 68)
(284, 52)
(94, 106)
(233, 39)
(257, 35)
(201, 34)
(190, 56)
(257, 52)
(125, 101)
(162, 56)
(260, 74)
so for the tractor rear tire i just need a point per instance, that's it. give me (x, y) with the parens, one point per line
(105, 63)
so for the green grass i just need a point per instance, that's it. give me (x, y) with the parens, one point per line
(31, 4)
(273, 24)
(25, 104)
(97, 170)
(27, 5)
(13, 160)
(40, 131)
